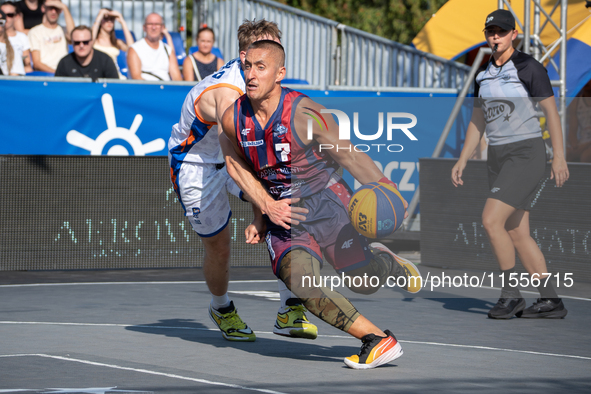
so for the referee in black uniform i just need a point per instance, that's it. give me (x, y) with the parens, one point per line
(507, 91)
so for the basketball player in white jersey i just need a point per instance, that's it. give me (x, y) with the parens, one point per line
(201, 182)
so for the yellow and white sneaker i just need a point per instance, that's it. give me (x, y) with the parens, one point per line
(404, 268)
(231, 325)
(294, 323)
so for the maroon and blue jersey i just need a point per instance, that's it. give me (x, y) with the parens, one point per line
(286, 166)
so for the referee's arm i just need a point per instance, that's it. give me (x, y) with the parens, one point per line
(473, 136)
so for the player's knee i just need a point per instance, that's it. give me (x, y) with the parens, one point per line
(490, 223)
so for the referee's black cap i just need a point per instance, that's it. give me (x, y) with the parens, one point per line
(502, 18)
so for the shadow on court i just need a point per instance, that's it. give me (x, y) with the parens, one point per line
(469, 305)
(299, 349)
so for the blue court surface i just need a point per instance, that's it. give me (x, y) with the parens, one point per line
(148, 331)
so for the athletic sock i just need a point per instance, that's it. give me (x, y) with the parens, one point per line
(285, 294)
(220, 302)
(509, 291)
(548, 290)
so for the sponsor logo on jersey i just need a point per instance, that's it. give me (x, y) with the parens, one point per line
(280, 130)
(495, 189)
(495, 109)
(245, 131)
(246, 144)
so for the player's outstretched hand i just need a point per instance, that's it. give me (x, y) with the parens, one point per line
(456, 173)
(255, 232)
(283, 214)
(559, 171)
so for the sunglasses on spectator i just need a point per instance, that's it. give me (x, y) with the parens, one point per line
(492, 32)
(10, 14)
(86, 42)
(2, 22)
(53, 9)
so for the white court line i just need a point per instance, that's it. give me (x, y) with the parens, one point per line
(196, 282)
(322, 336)
(168, 375)
(201, 282)
(500, 288)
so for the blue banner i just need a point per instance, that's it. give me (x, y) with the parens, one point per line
(48, 117)
(66, 118)
(395, 132)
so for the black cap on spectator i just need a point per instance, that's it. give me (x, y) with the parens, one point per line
(501, 18)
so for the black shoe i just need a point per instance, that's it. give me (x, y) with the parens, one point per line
(545, 308)
(506, 308)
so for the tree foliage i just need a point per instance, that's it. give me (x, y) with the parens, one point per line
(397, 20)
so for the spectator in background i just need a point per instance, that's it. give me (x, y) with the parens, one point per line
(18, 40)
(6, 51)
(579, 127)
(85, 61)
(49, 42)
(103, 33)
(202, 63)
(31, 15)
(150, 59)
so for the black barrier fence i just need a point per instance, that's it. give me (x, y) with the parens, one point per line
(452, 234)
(96, 212)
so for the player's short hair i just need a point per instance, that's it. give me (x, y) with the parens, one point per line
(276, 49)
(249, 31)
(82, 28)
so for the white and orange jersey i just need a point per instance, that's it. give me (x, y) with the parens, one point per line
(194, 139)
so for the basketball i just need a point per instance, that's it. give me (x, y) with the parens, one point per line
(376, 210)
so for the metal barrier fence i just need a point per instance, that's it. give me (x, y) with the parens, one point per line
(133, 11)
(328, 54)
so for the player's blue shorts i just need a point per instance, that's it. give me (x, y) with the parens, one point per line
(326, 232)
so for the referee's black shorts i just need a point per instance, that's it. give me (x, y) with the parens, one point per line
(515, 171)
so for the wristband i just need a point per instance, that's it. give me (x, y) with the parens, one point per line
(389, 182)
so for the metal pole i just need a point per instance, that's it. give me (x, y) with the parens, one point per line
(526, 29)
(563, 27)
(450, 121)
(537, 52)
(183, 5)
